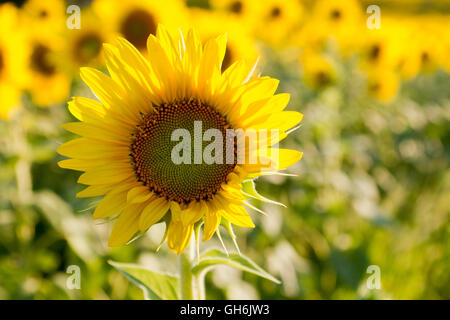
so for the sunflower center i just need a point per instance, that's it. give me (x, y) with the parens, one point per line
(87, 48)
(335, 14)
(322, 78)
(424, 57)
(275, 12)
(151, 152)
(137, 26)
(236, 7)
(374, 52)
(43, 13)
(40, 61)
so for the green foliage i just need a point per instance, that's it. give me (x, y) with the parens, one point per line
(215, 257)
(156, 286)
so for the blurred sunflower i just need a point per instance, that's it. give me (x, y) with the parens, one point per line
(135, 20)
(13, 50)
(83, 47)
(125, 149)
(382, 47)
(240, 45)
(383, 84)
(48, 82)
(341, 19)
(277, 19)
(425, 50)
(244, 10)
(48, 16)
(318, 70)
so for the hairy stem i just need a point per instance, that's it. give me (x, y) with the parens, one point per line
(185, 261)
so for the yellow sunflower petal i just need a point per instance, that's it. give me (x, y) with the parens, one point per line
(111, 173)
(85, 148)
(138, 194)
(234, 212)
(115, 200)
(94, 191)
(212, 221)
(126, 225)
(179, 236)
(153, 212)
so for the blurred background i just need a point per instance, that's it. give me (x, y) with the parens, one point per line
(373, 187)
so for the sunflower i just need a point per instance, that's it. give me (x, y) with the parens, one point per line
(382, 48)
(13, 50)
(83, 47)
(135, 20)
(48, 16)
(318, 69)
(48, 82)
(240, 44)
(277, 19)
(126, 150)
(243, 10)
(340, 19)
(383, 84)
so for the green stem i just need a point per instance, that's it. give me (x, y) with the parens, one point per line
(200, 286)
(185, 261)
(23, 165)
(199, 279)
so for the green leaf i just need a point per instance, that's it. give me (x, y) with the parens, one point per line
(156, 286)
(78, 230)
(248, 187)
(216, 257)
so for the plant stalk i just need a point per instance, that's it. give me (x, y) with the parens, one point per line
(185, 261)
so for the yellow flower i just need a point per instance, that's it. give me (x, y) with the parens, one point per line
(382, 48)
(243, 10)
(277, 19)
(47, 16)
(135, 20)
(426, 40)
(12, 60)
(83, 47)
(340, 19)
(383, 84)
(48, 83)
(318, 70)
(126, 149)
(240, 45)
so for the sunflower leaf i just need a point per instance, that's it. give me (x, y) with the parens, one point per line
(156, 286)
(215, 257)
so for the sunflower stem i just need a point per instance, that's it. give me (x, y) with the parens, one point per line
(200, 279)
(23, 165)
(185, 261)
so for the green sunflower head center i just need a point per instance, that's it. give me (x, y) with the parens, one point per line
(137, 26)
(152, 151)
(40, 60)
(88, 47)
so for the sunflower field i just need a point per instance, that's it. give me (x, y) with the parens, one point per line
(357, 205)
